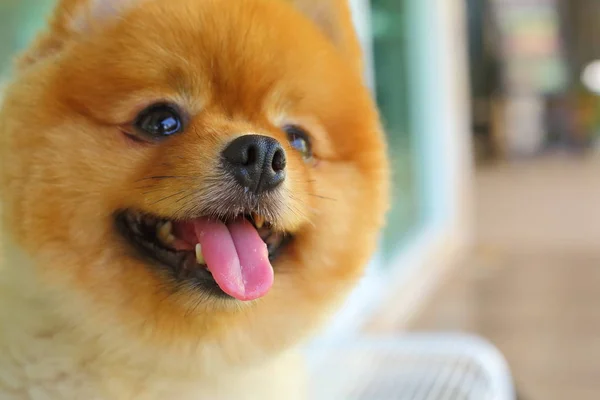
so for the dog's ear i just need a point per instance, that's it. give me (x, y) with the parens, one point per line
(72, 18)
(83, 16)
(334, 19)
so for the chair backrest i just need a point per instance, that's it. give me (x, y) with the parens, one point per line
(410, 367)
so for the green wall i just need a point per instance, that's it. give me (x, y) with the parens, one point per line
(19, 22)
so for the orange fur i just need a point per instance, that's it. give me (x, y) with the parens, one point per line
(66, 169)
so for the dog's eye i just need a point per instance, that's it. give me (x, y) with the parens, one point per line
(159, 121)
(299, 140)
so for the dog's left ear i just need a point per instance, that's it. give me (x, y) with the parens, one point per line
(93, 13)
(334, 19)
(71, 19)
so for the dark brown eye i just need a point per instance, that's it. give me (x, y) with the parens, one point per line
(158, 122)
(299, 140)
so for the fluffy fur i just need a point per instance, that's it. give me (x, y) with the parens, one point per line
(82, 319)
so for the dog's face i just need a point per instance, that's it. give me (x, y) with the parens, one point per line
(207, 176)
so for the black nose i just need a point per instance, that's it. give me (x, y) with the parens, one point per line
(257, 162)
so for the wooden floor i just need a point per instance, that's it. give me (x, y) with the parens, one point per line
(532, 284)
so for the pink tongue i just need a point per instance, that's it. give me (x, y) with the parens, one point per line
(236, 256)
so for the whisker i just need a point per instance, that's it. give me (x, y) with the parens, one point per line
(180, 210)
(162, 177)
(153, 189)
(187, 196)
(322, 197)
(147, 187)
(169, 196)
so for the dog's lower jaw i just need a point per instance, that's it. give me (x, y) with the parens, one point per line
(42, 355)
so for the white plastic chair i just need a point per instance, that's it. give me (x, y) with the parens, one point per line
(410, 367)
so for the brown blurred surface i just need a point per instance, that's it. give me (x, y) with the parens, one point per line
(532, 284)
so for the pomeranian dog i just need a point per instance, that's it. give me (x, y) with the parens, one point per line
(189, 188)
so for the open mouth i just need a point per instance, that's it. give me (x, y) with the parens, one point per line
(232, 257)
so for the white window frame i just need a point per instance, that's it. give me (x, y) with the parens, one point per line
(440, 119)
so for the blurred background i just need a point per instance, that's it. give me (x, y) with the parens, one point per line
(493, 117)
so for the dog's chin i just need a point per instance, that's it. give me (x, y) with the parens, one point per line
(165, 246)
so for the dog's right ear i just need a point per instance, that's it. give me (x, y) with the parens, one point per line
(334, 19)
(72, 18)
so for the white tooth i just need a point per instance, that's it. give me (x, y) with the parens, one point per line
(165, 234)
(259, 220)
(166, 228)
(199, 256)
